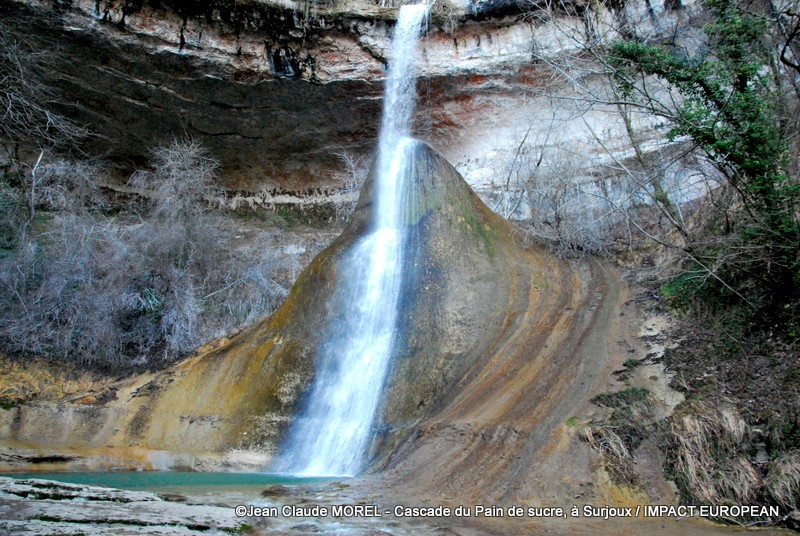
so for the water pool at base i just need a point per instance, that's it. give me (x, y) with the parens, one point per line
(174, 481)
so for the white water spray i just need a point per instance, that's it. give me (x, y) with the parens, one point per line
(336, 430)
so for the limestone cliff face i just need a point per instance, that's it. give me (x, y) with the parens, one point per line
(277, 88)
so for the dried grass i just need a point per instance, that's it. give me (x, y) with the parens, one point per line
(783, 480)
(708, 450)
(22, 381)
(633, 411)
(617, 459)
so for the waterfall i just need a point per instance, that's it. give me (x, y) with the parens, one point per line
(336, 429)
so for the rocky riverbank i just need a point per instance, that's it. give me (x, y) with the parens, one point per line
(47, 507)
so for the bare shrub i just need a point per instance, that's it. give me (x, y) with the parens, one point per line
(567, 209)
(346, 196)
(202, 288)
(182, 183)
(12, 213)
(247, 290)
(62, 185)
(63, 292)
(24, 96)
(446, 16)
(119, 292)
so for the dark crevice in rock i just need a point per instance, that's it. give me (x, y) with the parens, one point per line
(226, 106)
(50, 459)
(128, 522)
(486, 9)
(217, 134)
(54, 495)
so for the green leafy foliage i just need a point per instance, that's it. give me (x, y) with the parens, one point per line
(728, 103)
(624, 398)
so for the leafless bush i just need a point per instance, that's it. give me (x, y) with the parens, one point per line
(63, 291)
(182, 182)
(24, 97)
(30, 125)
(446, 16)
(12, 213)
(552, 193)
(568, 209)
(201, 285)
(121, 292)
(73, 186)
(346, 195)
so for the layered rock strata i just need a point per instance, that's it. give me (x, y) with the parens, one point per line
(280, 90)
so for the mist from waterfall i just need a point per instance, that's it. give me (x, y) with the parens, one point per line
(334, 432)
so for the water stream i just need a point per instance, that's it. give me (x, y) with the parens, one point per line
(334, 432)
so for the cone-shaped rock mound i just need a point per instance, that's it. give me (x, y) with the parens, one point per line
(471, 296)
(465, 282)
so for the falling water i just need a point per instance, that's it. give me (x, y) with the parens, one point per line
(337, 427)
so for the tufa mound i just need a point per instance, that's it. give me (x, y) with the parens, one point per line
(466, 286)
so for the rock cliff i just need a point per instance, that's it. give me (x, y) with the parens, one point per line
(278, 89)
(275, 91)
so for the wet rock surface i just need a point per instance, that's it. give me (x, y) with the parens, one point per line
(296, 509)
(46, 507)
